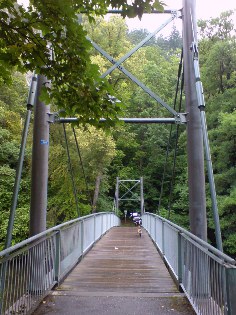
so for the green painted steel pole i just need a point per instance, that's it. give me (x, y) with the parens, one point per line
(195, 151)
(30, 105)
(38, 206)
(201, 106)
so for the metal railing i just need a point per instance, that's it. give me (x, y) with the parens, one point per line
(206, 275)
(31, 268)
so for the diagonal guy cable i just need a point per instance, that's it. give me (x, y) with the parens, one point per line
(82, 166)
(71, 171)
(180, 72)
(133, 78)
(144, 41)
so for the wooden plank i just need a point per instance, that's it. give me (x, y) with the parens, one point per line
(121, 262)
(122, 274)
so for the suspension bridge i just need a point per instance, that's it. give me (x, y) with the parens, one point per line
(92, 264)
(118, 273)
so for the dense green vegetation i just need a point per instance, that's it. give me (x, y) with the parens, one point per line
(48, 38)
(131, 151)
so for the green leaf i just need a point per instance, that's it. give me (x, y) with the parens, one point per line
(44, 95)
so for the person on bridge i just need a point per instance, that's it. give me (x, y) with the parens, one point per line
(138, 222)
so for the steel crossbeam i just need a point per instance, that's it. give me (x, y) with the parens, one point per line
(180, 119)
(117, 11)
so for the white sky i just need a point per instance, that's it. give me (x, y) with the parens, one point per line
(204, 10)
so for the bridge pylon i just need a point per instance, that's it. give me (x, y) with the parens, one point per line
(40, 151)
(195, 149)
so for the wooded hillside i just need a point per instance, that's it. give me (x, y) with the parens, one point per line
(131, 151)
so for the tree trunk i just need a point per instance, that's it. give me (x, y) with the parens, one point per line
(96, 192)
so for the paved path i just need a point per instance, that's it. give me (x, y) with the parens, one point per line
(123, 274)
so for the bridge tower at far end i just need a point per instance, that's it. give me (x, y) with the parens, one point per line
(129, 190)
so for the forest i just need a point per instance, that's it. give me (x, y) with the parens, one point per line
(130, 151)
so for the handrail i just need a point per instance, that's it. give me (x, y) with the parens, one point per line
(45, 233)
(205, 274)
(214, 250)
(30, 269)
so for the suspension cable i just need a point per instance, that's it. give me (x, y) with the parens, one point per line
(82, 166)
(175, 150)
(170, 133)
(71, 171)
(164, 170)
(173, 171)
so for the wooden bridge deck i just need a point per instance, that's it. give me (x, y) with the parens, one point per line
(123, 274)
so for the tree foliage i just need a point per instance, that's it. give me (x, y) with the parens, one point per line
(131, 151)
(47, 38)
(218, 51)
(219, 28)
(11, 115)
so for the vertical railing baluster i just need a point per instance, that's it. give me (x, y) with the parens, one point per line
(57, 256)
(82, 236)
(180, 270)
(7, 285)
(231, 289)
(14, 287)
(94, 227)
(20, 299)
(155, 229)
(163, 237)
(29, 277)
(25, 278)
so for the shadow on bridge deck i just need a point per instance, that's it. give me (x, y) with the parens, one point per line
(121, 274)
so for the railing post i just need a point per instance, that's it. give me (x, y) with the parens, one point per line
(163, 238)
(151, 226)
(180, 267)
(94, 230)
(57, 256)
(3, 271)
(231, 290)
(155, 228)
(82, 237)
(101, 224)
